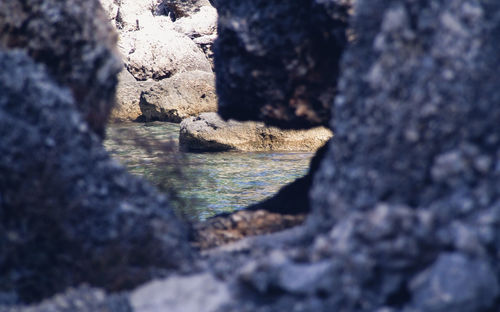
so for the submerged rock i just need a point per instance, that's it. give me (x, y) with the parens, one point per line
(179, 97)
(76, 44)
(209, 133)
(69, 214)
(277, 61)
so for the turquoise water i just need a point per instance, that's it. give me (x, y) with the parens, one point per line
(204, 184)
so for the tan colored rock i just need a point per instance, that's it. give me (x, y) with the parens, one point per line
(128, 95)
(158, 52)
(182, 96)
(209, 132)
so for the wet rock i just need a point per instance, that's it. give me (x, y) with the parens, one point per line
(158, 52)
(69, 214)
(279, 65)
(227, 228)
(179, 97)
(128, 95)
(75, 42)
(209, 132)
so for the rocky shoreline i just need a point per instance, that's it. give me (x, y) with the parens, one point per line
(402, 204)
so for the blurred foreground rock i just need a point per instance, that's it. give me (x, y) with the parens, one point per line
(75, 42)
(69, 214)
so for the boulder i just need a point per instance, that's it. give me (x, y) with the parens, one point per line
(279, 65)
(208, 132)
(69, 214)
(76, 43)
(179, 97)
(128, 95)
(158, 52)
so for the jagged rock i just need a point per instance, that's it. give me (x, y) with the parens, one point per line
(182, 8)
(69, 214)
(179, 97)
(279, 65)
(159, 52)
(208, 132)
(128, 95)
(73, 39)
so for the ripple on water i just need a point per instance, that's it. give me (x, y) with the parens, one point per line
(216, 182)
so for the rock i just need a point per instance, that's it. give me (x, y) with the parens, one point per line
(202, 23)
(179, 97)
(159, 52)
(227, 228)
(75, 42)
(455, 283)
(128, 95)
(69, 214)
(279, 65)
(209, 132)
(200, 292)
(181, 8)
(81, 299)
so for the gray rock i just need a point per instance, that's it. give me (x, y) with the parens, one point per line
(158, 52)
(202, 23)
(209, 132)
(455, 283)
(181, 8)
(179, 97)
(75, 42)
(69, 214)
(128, 96)
(194, 293)
(278, 62)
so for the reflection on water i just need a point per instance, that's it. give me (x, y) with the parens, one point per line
(218, 182)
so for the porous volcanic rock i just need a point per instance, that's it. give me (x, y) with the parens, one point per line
(277, 62)
(70, 214)
(179, 97)
(209, 133)
(76, 43)
(128, 95)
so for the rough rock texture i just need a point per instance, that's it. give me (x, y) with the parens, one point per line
(74, 41)
(128, 95)
(208, 132)
(158, 52)
(179, 97)
(279, 65)
(70, 214)
(202, 23)
(181, 8)
(227, 228)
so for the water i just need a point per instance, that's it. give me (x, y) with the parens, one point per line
(209, 183)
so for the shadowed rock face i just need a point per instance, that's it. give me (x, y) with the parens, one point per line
(277, 61)
(69, 214)
(76, 43)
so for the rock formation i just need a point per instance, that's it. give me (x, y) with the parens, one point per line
(279, 65)
(209, 133)
(74, 41)
(69, 214)
(181, 96)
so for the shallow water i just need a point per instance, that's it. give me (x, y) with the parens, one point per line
(210, 183)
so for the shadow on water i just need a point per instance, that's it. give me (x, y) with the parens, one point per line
(204, 184)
